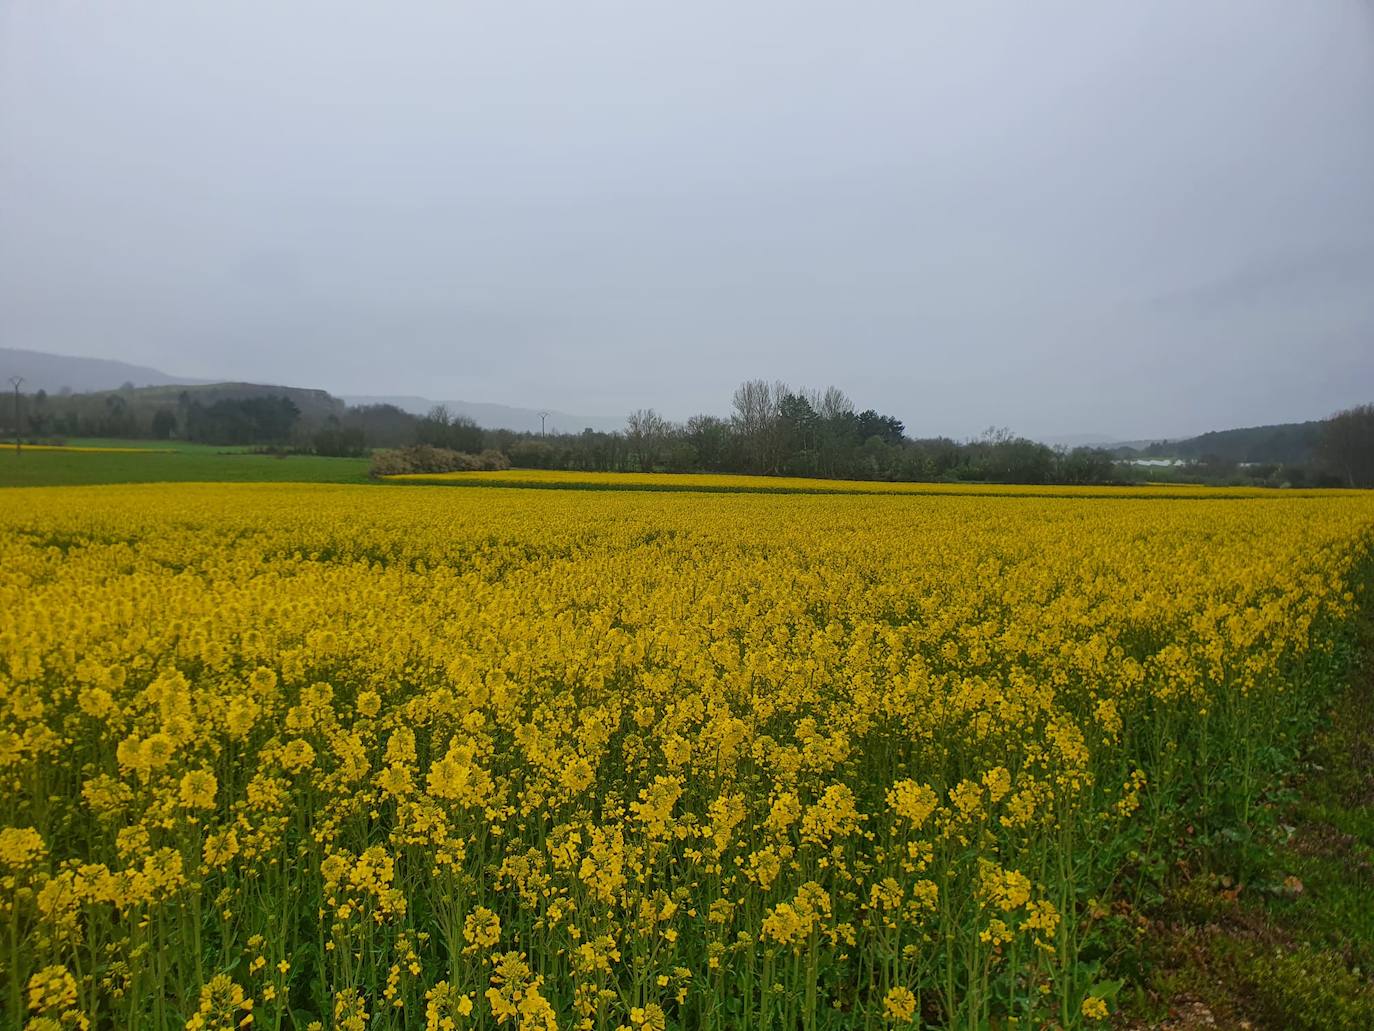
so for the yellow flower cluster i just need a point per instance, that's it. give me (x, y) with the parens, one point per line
(376, 757)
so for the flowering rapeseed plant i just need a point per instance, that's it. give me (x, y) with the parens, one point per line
(285, 756)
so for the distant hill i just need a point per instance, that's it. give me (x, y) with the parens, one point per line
(54, 373)
(220, 413)
(57, 373)
(1283, 443)
(1073, 440)
(315, 405)
(499, 417)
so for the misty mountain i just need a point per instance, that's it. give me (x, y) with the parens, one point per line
(55, 372)
(500, 417)
(1280, 443)
(1072, 440)
(1283, 443)
(314, 405)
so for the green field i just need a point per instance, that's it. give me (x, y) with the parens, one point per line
(153, 445)
(167, 462)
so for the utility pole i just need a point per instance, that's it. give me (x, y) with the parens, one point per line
(542, 417)
(16, 380)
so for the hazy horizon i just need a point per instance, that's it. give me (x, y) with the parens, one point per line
(1068, 219)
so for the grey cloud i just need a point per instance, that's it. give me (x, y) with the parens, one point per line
(1066, 217)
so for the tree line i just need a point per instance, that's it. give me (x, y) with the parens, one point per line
(771, 429)
(775, 430)
(258, 419)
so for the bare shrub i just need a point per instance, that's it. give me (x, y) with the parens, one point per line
(423, 458)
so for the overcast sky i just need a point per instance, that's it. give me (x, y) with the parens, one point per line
(1131, 219)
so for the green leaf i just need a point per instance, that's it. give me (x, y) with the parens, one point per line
(1106, 989)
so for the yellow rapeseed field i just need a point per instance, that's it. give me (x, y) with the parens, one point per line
(294, 756)
(728, 483)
